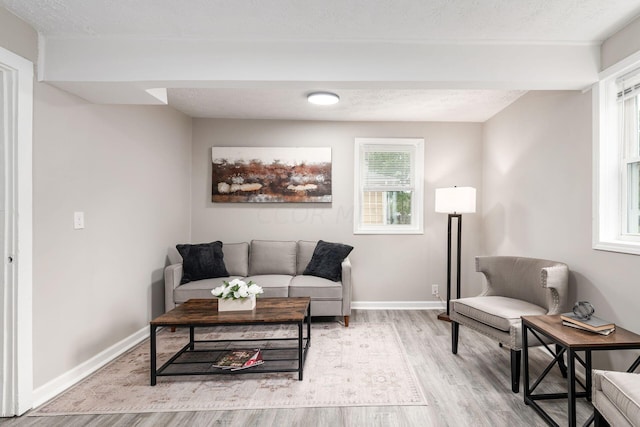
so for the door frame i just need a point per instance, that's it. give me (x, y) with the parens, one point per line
(16, 347)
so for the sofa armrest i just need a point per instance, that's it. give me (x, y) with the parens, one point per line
(172, 277)
(556, 279)
(346, 287)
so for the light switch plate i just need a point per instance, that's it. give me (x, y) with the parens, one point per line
(78, 220)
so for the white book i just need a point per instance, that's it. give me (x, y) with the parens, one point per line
(601, 332)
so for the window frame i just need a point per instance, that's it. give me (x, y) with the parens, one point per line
(610, 189)
(416, 146)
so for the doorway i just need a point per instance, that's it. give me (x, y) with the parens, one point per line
(16, 122)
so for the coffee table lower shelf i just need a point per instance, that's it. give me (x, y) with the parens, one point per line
(197, 357)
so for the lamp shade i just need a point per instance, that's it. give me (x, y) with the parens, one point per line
(456, 200)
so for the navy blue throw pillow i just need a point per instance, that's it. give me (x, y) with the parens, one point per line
(326, 261)
(202, 261)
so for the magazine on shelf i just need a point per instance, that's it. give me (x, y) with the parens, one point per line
(593, 324)
(601, 331)
(239, 359)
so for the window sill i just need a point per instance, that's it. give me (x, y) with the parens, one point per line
(412, 231)
(620, 246)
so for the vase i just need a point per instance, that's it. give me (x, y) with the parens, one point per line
(243, 304)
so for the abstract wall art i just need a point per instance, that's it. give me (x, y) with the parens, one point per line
(271, 174)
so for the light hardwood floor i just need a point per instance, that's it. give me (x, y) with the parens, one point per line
(471, 388)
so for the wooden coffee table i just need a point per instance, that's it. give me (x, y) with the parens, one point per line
(196, 357)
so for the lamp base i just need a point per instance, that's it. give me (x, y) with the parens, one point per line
(444, 316)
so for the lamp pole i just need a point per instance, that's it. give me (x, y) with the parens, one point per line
(445, 316)
(454, 201)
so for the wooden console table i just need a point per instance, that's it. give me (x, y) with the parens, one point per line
(568, 340)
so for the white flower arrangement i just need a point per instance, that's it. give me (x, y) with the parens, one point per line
(236, 289)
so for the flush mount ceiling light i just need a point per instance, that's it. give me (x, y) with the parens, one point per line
(323, 98)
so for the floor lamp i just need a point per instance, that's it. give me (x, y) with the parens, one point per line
(454, 201)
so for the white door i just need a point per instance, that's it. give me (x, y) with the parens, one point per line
(5, 266)
(16, 359)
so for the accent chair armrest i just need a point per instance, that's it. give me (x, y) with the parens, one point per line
(172, 277)
(596, 377)
(556, 279)
(346, 287)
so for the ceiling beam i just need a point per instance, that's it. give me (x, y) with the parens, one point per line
(110, 70)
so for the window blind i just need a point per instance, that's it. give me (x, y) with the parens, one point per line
(628, 85)
(387, 168)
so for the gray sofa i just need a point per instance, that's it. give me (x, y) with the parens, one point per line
(616, 398)
(277, 266)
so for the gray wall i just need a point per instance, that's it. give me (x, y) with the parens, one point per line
(537, 201)
(128, 169)
(18, 36)
(386, 268)
(620, 45)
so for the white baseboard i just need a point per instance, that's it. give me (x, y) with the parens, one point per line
(398, 305)
(69, 378)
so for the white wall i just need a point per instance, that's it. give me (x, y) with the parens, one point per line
(537, 202)
(385, 268)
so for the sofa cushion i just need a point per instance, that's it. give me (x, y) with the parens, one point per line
(305, 252)
(315, 287)
(623, 390)
(272, 257)
(236, 258)
(202, 261)
(198, 289)
(273, 285)
(495, 311)
(326, 261)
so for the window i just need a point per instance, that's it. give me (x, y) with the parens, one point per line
(627, 106)
(388, 185)
(617, 159)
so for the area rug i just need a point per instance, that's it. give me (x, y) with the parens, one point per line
(362, 365)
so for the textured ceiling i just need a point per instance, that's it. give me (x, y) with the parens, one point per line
(354, 105)
(372, 21)
(418, 20)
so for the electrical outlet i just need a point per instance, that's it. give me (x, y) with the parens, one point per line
(78, 220)
(435, 290)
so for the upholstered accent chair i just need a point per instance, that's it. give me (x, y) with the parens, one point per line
(616, 398)
(514, 287)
